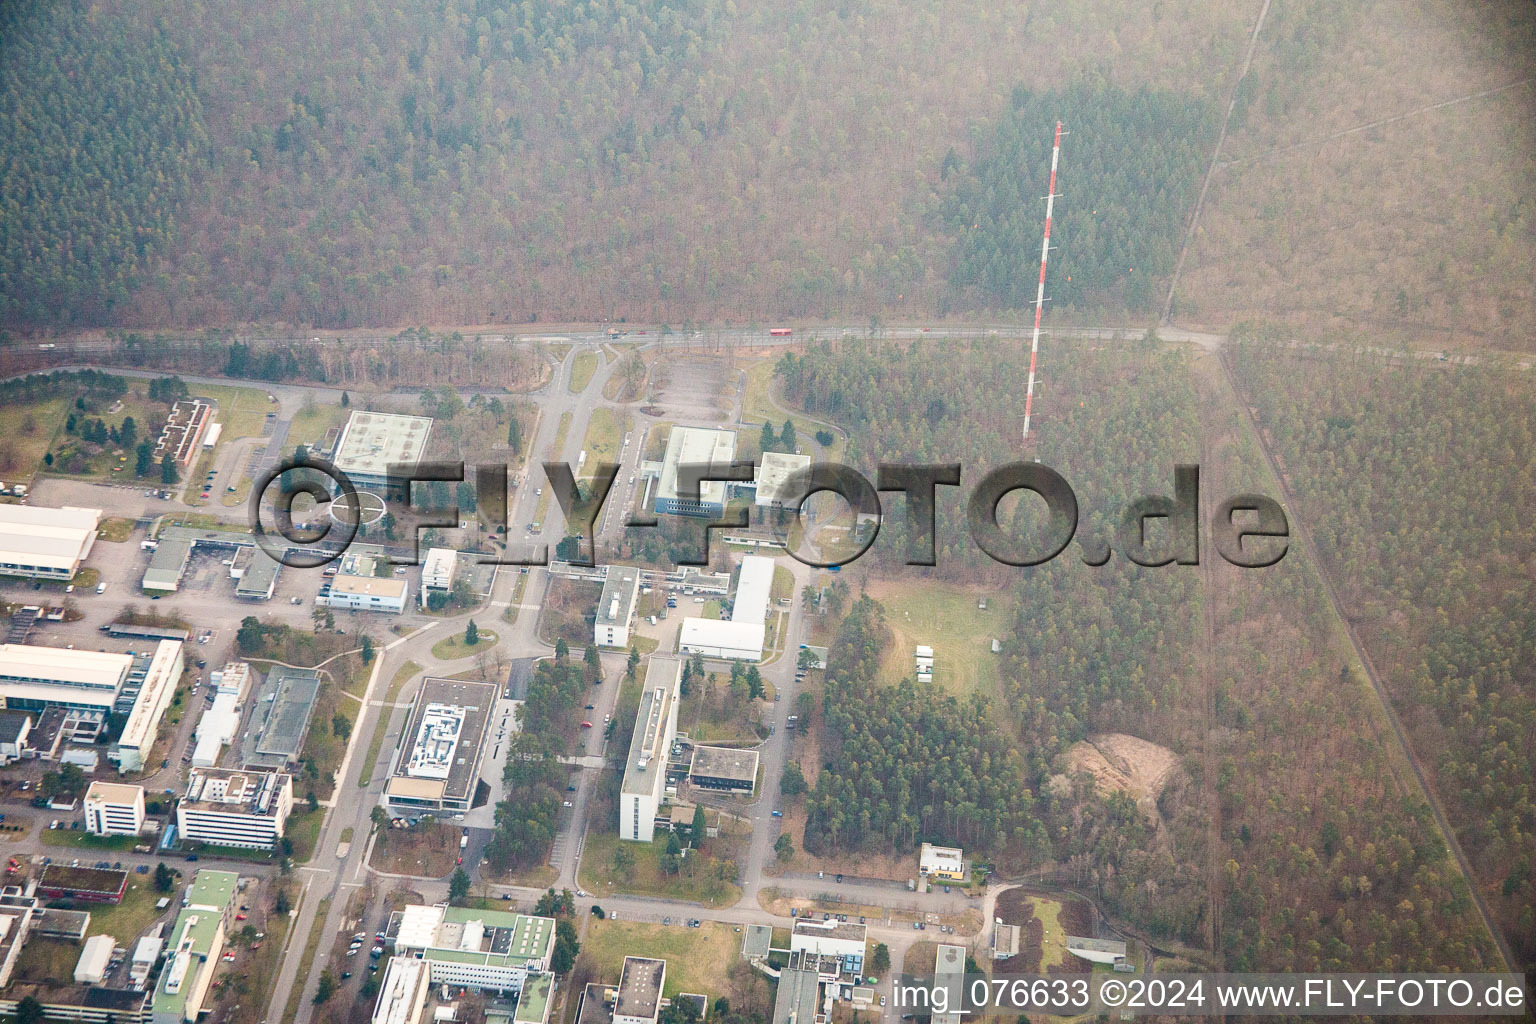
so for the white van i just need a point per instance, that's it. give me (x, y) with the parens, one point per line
(101, 588)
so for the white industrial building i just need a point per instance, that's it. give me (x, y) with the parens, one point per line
(695, 446)
(114, 809)
(234, 678)
(95, 955)
(923, 661)
(216, 730)
(490, 950)
(32, 678)
(45, 543)
(403, 992)
(437, 572)
(645, 772)
(365, 593)
(155, 694)
(372, 443)
(830, 938)
(774, 471)
(230, 808)
(742, 637)
(15, 727)
(616, 607)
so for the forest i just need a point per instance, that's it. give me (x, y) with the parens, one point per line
(1288, 837)
(1418, 482)
(1135, 165)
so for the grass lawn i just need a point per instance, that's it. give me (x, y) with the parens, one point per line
(303, 828)
(554, 453)
(603, 439)
(558, 351)
(582, 370)
(86, 841)
(429, 851)
(645, 878)
(241, 493)
(947, 619)
(452, 647)
(381, 724)
(311, 422)
(757, 406)
(131, 918)
(696, 957)
(115, 529)
(243, 411)
(28, 432)
(783, 583)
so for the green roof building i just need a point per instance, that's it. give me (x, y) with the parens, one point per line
(192, 952)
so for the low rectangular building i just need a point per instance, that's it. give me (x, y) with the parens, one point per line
(85, 1004)
(46, 543)
(156, 691)
(91, 968)
(616, 607)
(640, 987)
(943, 862)
(403, 992)
(694, 446)
(182, 436)
(843, 940)
(724, 768)
(437, 572)
(718, 638)
(775, 471)
(441, 749)
(645, 771)
(235, 808)
(113, 809)
(949, 975)
(798, 1000)
(34, 678)
(1099, 951)
(90, 885)
(490, 950)
(365, 593)
(281, 718)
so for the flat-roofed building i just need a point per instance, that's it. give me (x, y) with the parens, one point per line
(113, 809)
(719, 638)
(280, 721)
(374, 442)
(15, 728)
(775, 470)
(90, 885)
(438, 764)
(640, 986)
(695, 446)
(85, 1004)
(173, 550)
(156, 691)
(403, 993)
(1005, 940)
(535, 999)
(490, 950)
(15, 924)
(437, 572)
(235, 808)
(754, 587)
(196, 942)
(949, 975)
(215, 730)
(365, 593)
(843, 940)
(258, 582)
(730, 769)
(182, 436)
(945, 862)
(46, 543)
(91, 967)
(616, 606)
(34, 678)
(645, 771)
(798, 1000)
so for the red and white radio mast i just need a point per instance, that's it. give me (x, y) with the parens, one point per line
(1045, 249)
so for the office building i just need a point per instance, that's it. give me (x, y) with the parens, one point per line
(695, 446)
(34, 678)
(775, 472)
(215, 730)
(741, 638)
(46, 543)
(799, 997)
(235, 808)
(946, 863)
(842, 940)
(437, 572)
(728, 769)
(365, 593)
(113, 809)
(438, 764)
(157, 687)
(88, 885)
(640, 986)
(616, 607)
(182, 436)
(949, 975)
(490, 950)
(280, 721)
(373, 444)
(645, 771)
(196, 942)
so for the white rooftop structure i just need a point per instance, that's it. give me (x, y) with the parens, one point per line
(432, 756)
(372, 442)
(215, 730)
(92, 965)
(694, 446)
(717, 638)
(404, 991)
(36, 541)
(754, 586)
(31, 677)
(437, 570)
(155, 695)
(774, 470)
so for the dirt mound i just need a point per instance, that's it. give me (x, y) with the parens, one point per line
(1123, 763)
